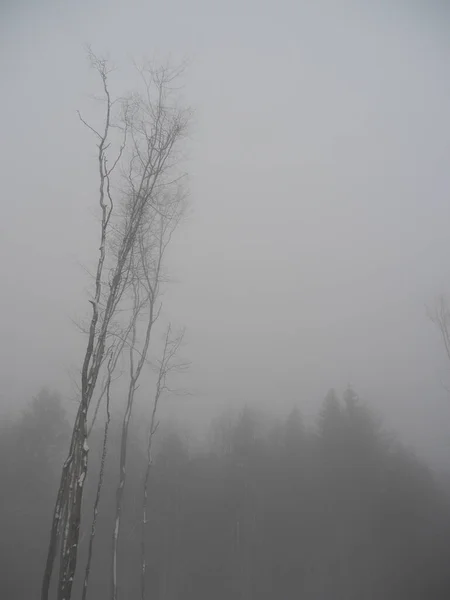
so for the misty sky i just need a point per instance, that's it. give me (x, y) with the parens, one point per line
(319, 175)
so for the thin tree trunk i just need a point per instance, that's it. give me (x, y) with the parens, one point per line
(69, 547)
(166, 365)
(100, 483)
(153, 427)
(56, 523)
(143, 532)
(120, 488)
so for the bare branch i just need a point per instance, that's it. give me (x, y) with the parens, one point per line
(88, 126)
(440, 317)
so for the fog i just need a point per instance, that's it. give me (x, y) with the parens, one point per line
(317, 229)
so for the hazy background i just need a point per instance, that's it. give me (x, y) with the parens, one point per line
(319, 165)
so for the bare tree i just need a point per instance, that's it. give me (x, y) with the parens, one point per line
(147, 260)
(151, 127)
(166, 365)
(114, 355)
(440, 316)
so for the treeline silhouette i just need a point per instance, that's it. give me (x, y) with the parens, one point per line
(266, 509)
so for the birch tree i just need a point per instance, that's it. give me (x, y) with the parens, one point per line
(132, 181)
(152, 241)
(167, 364)
(106, 392)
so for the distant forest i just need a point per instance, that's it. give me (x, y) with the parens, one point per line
(266, 510)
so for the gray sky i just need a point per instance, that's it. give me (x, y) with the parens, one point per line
(320, 180)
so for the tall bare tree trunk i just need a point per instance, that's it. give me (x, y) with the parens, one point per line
(166, 365)
(112, 362)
